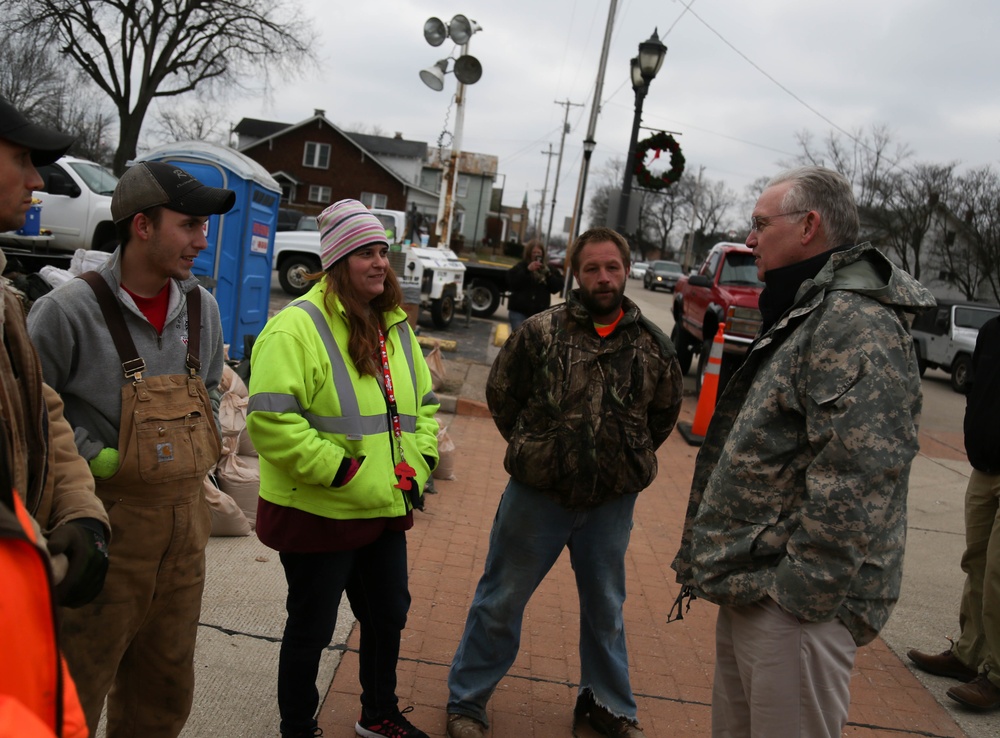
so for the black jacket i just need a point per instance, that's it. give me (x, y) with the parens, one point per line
(530, 291)
(982, 431)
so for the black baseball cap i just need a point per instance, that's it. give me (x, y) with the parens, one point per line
(149, 184)
(45, 144)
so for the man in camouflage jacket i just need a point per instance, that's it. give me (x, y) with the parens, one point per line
(797, 518)
(584, 393)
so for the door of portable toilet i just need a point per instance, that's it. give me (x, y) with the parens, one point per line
(236, 266)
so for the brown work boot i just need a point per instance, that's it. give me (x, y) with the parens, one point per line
(980, 693)
(944, 664)
(462, 726)
(612, 726)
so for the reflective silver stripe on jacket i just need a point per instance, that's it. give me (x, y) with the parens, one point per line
(350, 423)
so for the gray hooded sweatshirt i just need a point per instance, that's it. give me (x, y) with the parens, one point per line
(79, 359)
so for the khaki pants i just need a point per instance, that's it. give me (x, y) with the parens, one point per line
(134, 644)
(775, 676)
(137, 639)
(979, 616)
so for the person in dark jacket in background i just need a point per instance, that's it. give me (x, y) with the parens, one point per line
(973, 658)
(531, 283)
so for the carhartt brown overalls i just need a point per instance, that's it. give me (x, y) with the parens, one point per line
(137, 638)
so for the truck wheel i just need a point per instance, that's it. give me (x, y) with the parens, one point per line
(292, 274)
(484, 297)
(921, 362)
(105, 238)
(960, 370)
(682, 345)
(442, 311)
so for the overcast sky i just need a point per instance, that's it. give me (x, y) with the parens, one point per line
(739, 81)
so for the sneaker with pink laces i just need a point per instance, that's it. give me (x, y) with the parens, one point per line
(390, 723)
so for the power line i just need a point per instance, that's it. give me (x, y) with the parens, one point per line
(788, 92)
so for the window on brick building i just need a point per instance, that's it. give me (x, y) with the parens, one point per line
(318, 193)
(374, 200)
(316, 155)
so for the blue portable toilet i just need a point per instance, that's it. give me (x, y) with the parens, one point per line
(236, 266)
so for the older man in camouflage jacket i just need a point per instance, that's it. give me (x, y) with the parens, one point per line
(797, 517)
(584, 393)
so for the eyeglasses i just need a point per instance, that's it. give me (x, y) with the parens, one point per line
(760, 222)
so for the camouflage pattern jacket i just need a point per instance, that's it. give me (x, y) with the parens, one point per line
(799, 491)
(584, 415)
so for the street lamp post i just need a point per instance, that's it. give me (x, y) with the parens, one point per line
(644, 68)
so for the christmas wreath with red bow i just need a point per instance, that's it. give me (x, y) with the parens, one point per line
(658, 142)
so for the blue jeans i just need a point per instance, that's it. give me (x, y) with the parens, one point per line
(515, 319)
(375, 579)
(529, 532)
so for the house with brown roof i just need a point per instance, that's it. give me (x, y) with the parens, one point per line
(317, 163)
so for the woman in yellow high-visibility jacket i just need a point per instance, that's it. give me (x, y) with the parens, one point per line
(342, 414)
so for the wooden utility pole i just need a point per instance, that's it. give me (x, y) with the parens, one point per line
(562, 143)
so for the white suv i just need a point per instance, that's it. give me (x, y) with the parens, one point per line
(945, 337)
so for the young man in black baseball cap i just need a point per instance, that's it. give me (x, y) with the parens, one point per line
(136, 640)
(23, 146)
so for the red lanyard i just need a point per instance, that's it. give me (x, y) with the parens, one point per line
(404, 471)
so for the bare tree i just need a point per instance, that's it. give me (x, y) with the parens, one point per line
(369, 129)
(908, 204)
(864, 158)
(29, 77)
(973, 255)
(82, 113)
(666, 210)
(198, 122)
(138, 50)
(33, 80)
(715, 200)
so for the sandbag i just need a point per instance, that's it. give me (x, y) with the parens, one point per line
(86, 260)
(227, 518)
(231, 382)
(436, 364)
(446, 456)
(239, 477)
(233, 419)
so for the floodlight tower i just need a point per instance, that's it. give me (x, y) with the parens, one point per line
(467, 70)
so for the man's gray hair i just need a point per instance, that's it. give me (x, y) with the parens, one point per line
(828, 193)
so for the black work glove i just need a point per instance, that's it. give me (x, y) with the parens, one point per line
(83, 542)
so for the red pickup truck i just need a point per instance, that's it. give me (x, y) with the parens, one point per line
(724, 291)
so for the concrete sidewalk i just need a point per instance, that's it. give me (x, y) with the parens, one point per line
(671, 665)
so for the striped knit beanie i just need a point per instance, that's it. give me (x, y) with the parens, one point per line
(345, 227)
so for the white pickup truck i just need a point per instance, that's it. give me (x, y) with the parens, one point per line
(436, 275)
(76, 205)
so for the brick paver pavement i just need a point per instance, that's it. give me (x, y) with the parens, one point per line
(671, 665)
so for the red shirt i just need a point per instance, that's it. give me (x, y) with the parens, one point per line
(154, 308)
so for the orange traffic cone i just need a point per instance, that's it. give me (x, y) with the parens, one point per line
(694, 433)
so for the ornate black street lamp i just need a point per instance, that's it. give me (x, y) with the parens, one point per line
(644, 68)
